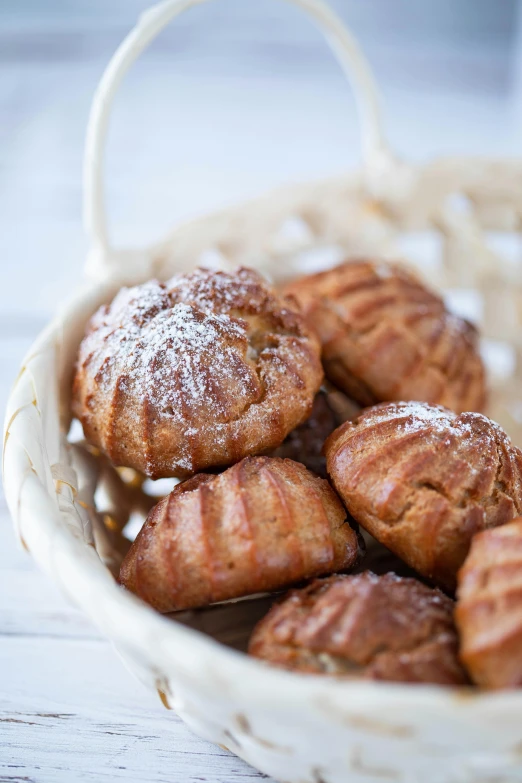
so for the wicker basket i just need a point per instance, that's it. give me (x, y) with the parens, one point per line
(457, 219)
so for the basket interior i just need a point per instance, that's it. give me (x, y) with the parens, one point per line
(456, 225)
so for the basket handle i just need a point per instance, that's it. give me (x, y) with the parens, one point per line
(151, 22)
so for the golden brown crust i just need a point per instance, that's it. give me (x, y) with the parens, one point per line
(261, 525)
(489, 607)
(385, 337)
(423, 480)
(201, 371)
(363, 626)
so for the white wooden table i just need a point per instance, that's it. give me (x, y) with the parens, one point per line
(69, 710)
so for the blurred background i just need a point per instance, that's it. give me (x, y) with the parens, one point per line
(233, 98)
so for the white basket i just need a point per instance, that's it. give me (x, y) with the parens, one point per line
(296, 728)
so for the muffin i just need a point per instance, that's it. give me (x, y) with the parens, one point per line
(489, 607)
(261, 525)
(424, 480)
(386, 337)
(364, 626)
(200, 371)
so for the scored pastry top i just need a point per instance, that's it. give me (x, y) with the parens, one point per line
(489, 607)
(385, 336)
(363, 626)
(200, 371)
(263, 524)
(423, 480)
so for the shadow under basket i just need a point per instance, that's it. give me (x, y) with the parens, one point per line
(457, 221)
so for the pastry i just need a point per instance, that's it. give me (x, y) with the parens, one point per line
(261, 525)
(423, 480)
(364, 626)
(386, 337)
(305, 444)
(200, 371)
(489, 607)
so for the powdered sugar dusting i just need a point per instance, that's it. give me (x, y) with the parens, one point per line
(190, 359)
(175, 354)
(435, 420)
(182, 353)
(415, 415)
(213, 290)
(440, 426)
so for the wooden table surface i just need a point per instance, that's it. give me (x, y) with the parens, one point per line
(195, 128)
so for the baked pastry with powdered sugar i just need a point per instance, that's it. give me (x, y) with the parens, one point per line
(199, 371)
(423, 480)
